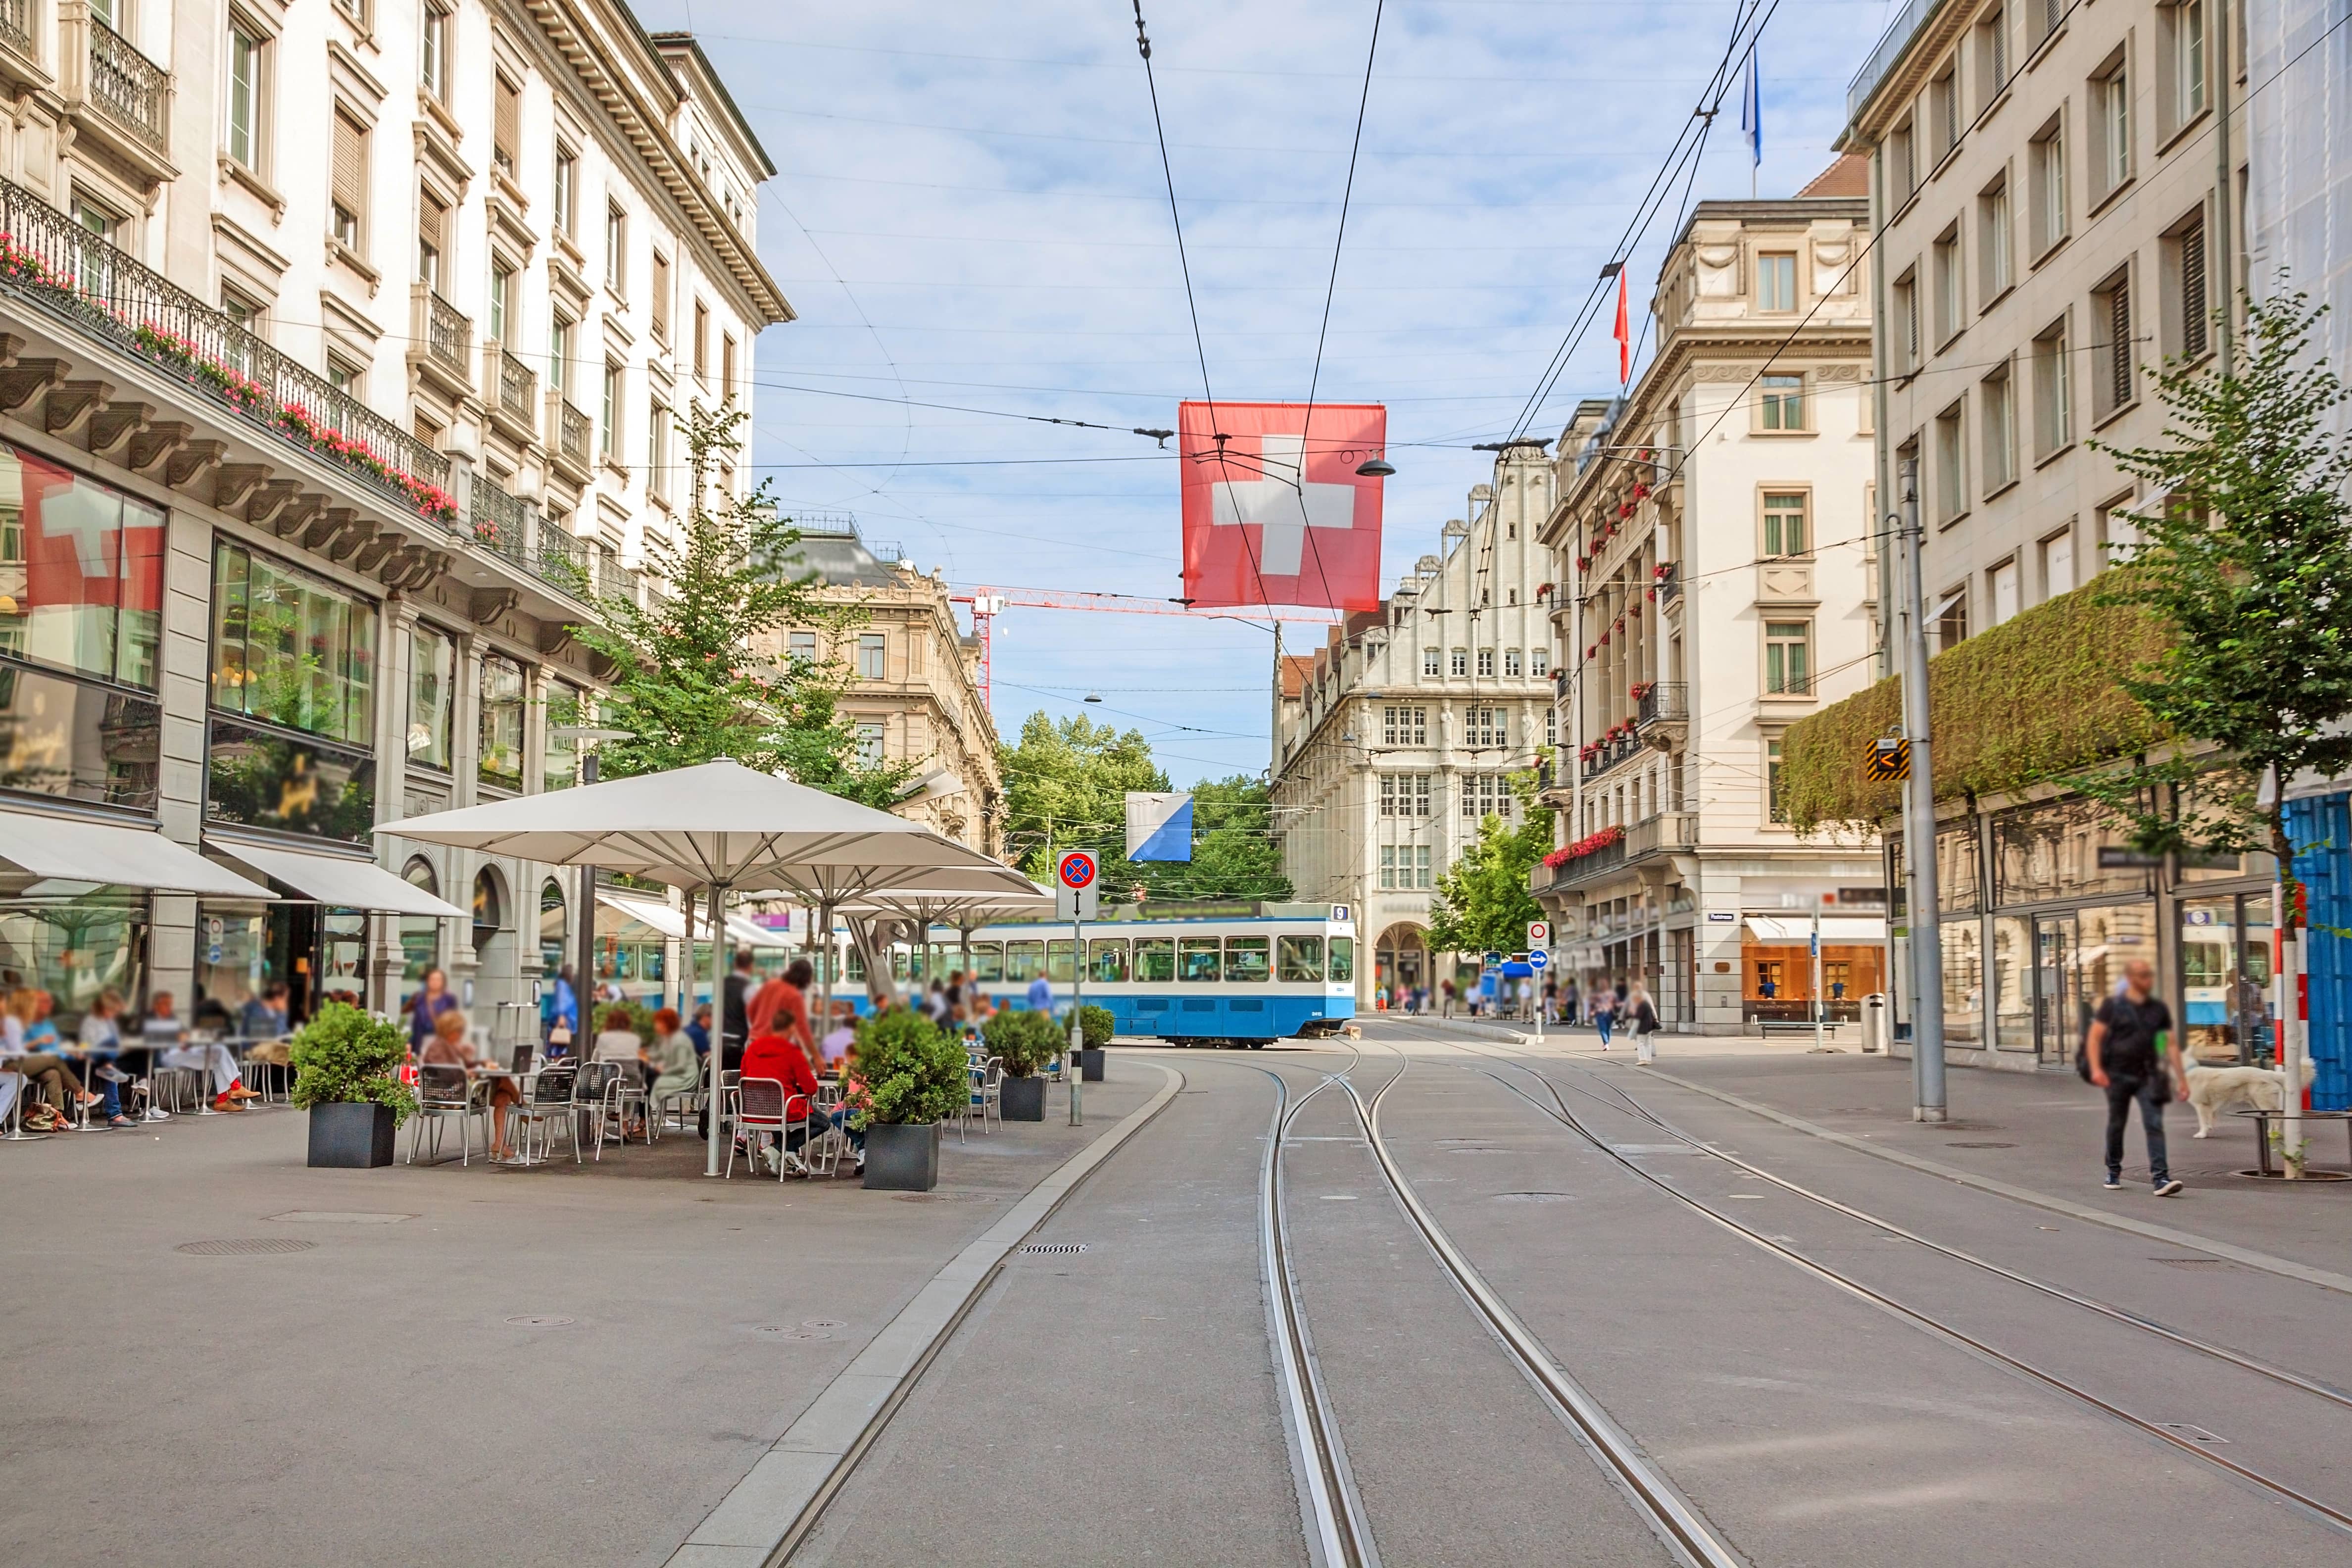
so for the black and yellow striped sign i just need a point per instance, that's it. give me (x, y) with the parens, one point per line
(1887, 758)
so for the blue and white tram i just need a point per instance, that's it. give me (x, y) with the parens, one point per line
(1244, 979)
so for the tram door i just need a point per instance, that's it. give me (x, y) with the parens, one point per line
(2056, 1005)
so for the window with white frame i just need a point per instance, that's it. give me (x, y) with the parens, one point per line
(1429, 662)
(608, 434)
(2058, 563)
(1788, 658)
(1776, 282)
(1951, 464)
(1458, 664)
(2053, 390)
(1538, 660)
(2111, 125)
(616, 250)
(2180, 34)
(1485, 727)
(1486, 794)
(433, 48)
(2046, 163)
(1486, 664)
(1782, 403)
(869, 742)
(1951, 304)
(2001, 592)
(1404, 724)
(1785, 531)
(565, 193)
(1404, 794)
(1995, 246)
(2113, 355)
(245, 101)
(347, 204)
(1513, 664)
(1997, 408)
(873, 657)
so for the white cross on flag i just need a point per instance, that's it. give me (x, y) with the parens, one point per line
(1273, 515)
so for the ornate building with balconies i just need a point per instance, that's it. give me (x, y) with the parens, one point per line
(1714, 534)
(338, 349)
(1399, 736)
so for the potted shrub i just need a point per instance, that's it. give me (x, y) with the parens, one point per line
(1093, 1032)
(347, 1075)
(1026, 1041)
(915, 1076)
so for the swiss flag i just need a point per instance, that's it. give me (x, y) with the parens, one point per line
(1274, 514)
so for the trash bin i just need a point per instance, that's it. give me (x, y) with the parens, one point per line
(1873, 1023)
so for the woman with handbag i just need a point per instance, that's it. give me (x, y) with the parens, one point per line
(1644, 1018)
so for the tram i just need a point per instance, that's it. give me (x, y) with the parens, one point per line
(1241, 980)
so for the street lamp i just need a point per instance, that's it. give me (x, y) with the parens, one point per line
(589, 734)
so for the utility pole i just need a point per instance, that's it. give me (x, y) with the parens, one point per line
(1919, 825)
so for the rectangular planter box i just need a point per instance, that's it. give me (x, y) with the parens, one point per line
(902, 1159)
(1025, 1099)
(1090, 1062)
(354, 1135)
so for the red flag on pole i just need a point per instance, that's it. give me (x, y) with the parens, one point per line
(1276, 515)
(1624, 335)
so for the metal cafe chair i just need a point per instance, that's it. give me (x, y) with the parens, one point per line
(761, 1103)
(445, 1093)
(546, 1107)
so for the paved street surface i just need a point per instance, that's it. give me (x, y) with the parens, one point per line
(572, 1366)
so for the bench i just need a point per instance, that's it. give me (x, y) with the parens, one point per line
(1772, 1027)
(2262, 1121)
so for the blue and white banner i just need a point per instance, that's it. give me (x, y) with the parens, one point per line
(1159, 826)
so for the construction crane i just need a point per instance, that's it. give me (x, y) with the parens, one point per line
(987, 603)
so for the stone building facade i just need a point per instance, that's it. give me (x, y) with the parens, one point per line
(340, 347)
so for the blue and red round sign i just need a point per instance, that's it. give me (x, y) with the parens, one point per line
(1077, 870)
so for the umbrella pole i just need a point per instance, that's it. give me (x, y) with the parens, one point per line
(718, 1023)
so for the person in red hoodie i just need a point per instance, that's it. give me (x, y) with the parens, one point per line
(777, 1051)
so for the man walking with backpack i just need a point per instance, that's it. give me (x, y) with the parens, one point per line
(2127, 1054)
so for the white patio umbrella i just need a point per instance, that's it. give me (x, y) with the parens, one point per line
(719, 827)
(947, 896)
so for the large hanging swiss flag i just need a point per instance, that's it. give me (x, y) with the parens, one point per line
(1275, 513)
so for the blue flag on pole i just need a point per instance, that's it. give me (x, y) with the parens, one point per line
(1159, 826)
(1751, 114)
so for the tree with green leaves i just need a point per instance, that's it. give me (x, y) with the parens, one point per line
(1482, 900)
(2247, 559)
(690, 683)
(1234, 855)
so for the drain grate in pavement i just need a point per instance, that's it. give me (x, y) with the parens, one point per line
(539, 1320)
(244, 1247)
(1984, 1145)
(2194, 1434)
(1052, 1248)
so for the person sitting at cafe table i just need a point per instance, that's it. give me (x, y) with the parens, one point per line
(263, 1016)
(776, 1055)
(450, 1046)
(46, 1076)
(101, 1045)
(162, 1028)
(618, 1040)
(677, 1069)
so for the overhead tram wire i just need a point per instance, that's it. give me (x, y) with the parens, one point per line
(1330, 288)
(1703, 117)
(1191, 305)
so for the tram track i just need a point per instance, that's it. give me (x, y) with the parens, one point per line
(1338, 1531)
(2328, 1514)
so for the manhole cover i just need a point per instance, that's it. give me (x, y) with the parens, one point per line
(1052, 1248)
(1984, 1145)
(539, 1320)
(1532, 1197)
(245, 1247)
(337, 1217)
(823, 1323)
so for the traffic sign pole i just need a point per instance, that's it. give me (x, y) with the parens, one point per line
(1074, 876)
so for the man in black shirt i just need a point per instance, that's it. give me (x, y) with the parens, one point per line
(2127, 1056)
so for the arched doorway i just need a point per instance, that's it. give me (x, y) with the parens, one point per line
(1400, 961)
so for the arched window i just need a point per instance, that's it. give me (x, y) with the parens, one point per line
(552, 928)
(489, 916)
(420, 935)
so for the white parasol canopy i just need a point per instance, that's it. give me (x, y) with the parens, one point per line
(721, 825)
(947, 896)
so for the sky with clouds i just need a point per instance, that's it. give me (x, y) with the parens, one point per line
(970, 209)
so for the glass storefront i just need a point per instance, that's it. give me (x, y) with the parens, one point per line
(291, 648)
(76, 740)
(432, 696)
(567, 707)
(277, 779)
(2012, 984)
(2225, 974)
(1963, 982)
(420, 935)
(502, 722)
(319, 954)
(74, 948)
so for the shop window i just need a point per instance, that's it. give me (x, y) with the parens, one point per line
(567, 708)
(488, 912)
(257, 777)
(502, 721)
(74, 948)
(554, 929)
(78, 742)
(432, 696)
(81, 573)
(420, 935)
(291, 648)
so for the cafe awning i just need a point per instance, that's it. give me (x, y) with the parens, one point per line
(72, 849)
(1796, 930)
(651, 913)
(338, 881)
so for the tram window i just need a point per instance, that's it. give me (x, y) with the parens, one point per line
(1343, 958)
(854, 967)
(1298, 958)
(1107, 960)
(1059, 959)
(988, 962)
(899, 965)
(1196, 958)
(1023, 961)
(1155, 961)
(1245, 960)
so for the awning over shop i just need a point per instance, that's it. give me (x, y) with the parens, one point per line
(651, 913)
(68, 849)
(1844, 931)
(751, 934)
(339, 881)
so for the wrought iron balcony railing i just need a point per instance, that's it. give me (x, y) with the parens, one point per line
(518, 388)
(17, 27)
(135, 92)
(52, 266)
(572, 435)
(448, 334)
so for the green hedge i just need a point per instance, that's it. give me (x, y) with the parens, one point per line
(2032, 699)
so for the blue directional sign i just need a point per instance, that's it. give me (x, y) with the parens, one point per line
(1538, 958)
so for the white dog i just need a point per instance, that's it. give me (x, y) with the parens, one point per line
(2214, 1090)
